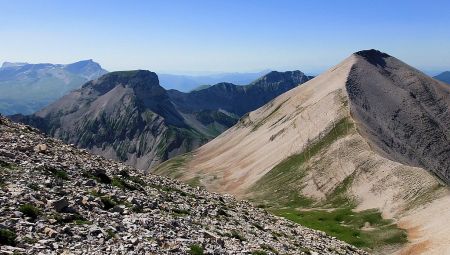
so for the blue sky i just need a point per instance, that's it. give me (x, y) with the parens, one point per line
(223, 35)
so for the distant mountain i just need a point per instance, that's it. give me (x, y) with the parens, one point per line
(128, 116)
(444, 77)
(239, 99)
(26, 88)
(186, 83)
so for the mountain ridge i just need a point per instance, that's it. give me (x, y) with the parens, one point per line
(128, 116)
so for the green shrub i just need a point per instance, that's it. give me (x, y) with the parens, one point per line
(258, 252)
(30, 211)
(237, 235)
(7, 237)
(196, 249)
(108, 203)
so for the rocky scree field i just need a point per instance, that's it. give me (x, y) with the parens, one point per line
(57, 199)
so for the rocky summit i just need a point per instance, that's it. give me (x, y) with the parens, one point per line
(57, 199)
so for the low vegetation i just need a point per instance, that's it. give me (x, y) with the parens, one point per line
(334, 215)
(7, 237)
(30, 210)
(365, 229)
(196, 249)
(171, 168)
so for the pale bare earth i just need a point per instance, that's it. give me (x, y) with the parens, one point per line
(235, 160)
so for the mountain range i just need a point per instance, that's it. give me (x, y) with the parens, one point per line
(128, 116)
(444, 77)
(26, 88)
(370, 136)
(186, 83)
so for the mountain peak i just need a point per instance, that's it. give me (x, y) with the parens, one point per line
(375, 57)
(272, 77)
(135, 79)
(13, 64)
(86, 68)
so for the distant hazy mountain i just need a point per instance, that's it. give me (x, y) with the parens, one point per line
(26, 88)
(444, 77)
(186, 83)
(128, 116)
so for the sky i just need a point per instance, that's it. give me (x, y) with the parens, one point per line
(202, 36)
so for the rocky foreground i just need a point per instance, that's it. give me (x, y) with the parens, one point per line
(57, 199)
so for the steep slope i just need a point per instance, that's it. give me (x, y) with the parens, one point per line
(124, 116)
(370, 133)
(128, 116)
(26, 88)
(444, 77)
(57, 199)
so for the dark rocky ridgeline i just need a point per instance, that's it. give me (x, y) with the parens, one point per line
(128, 116)
(404, 113)
(55, 199)
(236, 99)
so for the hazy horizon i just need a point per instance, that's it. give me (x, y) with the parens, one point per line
(201, 37)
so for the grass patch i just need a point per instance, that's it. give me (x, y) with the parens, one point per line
(7, 237)
(56, 172)
(30, 210)
(196, 249)
(82, 222)
(264, 120)
(180, 212)
(236, 235)
(108, 202)
(347, 225)
(172, 167)
(258, 252)
(282, 184)
(194, 182)
(121, 183)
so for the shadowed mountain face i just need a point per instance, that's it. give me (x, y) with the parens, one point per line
(239, 99)
(403, 111)
(26, 88)
(128, 116)
(444, 77)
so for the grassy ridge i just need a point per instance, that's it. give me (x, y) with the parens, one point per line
(284, 182)
(280, 192)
